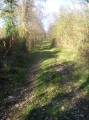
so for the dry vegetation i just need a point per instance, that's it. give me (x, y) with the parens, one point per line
(43, 78)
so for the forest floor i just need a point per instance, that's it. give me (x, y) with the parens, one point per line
(56, 88)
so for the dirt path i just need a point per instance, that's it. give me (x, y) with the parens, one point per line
(57, 95)
(26, 93)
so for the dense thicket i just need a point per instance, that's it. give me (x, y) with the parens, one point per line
(71, 32)
(22, 29)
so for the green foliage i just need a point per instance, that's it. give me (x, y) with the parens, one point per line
(70, 32)
(9, 17)
(10, 28)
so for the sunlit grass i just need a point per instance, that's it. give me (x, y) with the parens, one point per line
(66, 55)
(54, 93)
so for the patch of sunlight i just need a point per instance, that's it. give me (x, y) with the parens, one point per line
(66, 56)
(44, 94)
(52, 89)
(54, 50)
(40, 89)
(27, 111)
(47, 63)
(42, 99)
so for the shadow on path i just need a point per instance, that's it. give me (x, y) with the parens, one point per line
(69, 103)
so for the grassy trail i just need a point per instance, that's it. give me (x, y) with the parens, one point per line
(54, 89)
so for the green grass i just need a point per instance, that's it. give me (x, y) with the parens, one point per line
(54, 96)
(18, 69)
